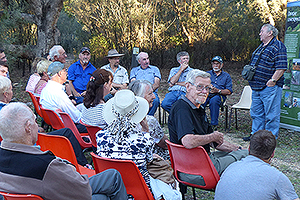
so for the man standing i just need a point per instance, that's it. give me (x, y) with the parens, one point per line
(120, 74)
(176, 81)
(31, 170)
(189, 126)
(79, 74)
(57, 53)
(221, 87)
(147, 72)
(253, 177)
(267, 81)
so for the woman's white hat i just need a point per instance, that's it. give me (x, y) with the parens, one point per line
(124, 102)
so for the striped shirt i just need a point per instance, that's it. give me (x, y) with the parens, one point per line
(273, 58)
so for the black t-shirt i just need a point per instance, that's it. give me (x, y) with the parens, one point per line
(185, 118)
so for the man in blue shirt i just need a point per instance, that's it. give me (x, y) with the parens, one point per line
(267, 82)
(147, 72)
(79, 74)
(221, 86)
(176, 81)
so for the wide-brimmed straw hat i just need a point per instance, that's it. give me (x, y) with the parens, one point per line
(113, 53)
(123, 103)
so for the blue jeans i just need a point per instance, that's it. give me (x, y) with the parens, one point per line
(214, 107)
(155, 104)
(170, 99)
(265, 109)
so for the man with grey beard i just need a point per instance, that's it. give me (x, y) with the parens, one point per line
(79, 74)
(189, 126)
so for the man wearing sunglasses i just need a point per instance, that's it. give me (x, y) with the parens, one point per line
(189, 126)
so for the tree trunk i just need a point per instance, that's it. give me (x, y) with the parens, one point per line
(46, 15)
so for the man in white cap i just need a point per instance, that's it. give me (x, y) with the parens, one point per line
(79, 74)
(120, 74)
(221, 86)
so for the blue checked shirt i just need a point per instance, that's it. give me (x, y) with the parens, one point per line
(273, 58)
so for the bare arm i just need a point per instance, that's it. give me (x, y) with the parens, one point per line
(121, 86)
(74, 92)
(223, 92)
(227, 146)
(190, 141)
(278, 73)
(174, 79)
(156, 83)
(162, 142)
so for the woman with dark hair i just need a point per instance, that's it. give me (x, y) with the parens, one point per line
(97, 88)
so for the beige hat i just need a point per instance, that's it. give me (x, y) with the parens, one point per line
(113, 53)
(124, 102)
(42, 66)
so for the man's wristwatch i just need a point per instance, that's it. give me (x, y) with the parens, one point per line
(272, 79)
(220, 91)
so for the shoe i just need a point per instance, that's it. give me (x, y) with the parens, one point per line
(247, 138)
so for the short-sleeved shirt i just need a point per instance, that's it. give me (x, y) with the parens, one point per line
(223, 81)
(273, 58)
(182, 78)
(148, 74)
(185, 118)
(79, 76)
(94, 116)
(120, 76)
(252, 178)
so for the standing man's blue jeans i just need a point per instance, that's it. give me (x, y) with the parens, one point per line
(170, 99)
(155, 104)
(265, 109)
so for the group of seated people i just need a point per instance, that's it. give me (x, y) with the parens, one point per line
(128, 128)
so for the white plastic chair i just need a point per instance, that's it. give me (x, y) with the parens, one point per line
(243, 104)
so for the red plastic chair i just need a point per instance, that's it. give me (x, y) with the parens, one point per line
(55, 121)
(35, 104)
(92, 130)
(132, 178)
(68, 122)
(193, 161)
(9, 196)
(61, 147)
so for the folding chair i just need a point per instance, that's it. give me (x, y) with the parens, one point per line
(61, 147)
(193, 161)
(68, 122)
(243, 104)
(132, 178)
(9, 196)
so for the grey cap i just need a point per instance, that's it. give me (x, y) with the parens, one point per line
(55, 67)
(218, 59)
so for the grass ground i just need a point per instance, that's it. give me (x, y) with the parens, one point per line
(287, 157)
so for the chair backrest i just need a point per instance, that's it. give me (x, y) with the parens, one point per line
(92, 130)
(246, 97)
(9, 196)
(193, 161)
(45, 117)
(68, 122)
(132, 178)
(60, 146)
(35, 104)
(55, 121)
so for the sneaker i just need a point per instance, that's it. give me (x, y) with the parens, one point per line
(247, 138)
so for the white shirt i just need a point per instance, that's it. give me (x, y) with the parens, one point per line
(53, 97)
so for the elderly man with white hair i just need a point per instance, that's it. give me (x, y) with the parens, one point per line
(6, 92)
(57, 53)
(147, 72)
(31, 170)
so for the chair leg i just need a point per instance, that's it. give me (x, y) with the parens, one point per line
(194, 193)
(159, 114)
(226, 117)
(230, 119)
(236, 124)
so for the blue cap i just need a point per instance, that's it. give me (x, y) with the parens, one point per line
(217, 58)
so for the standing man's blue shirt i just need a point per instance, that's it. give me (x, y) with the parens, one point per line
(145, 74)
(79, 76)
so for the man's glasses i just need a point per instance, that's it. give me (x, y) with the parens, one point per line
(3, 58)
(200, 88)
